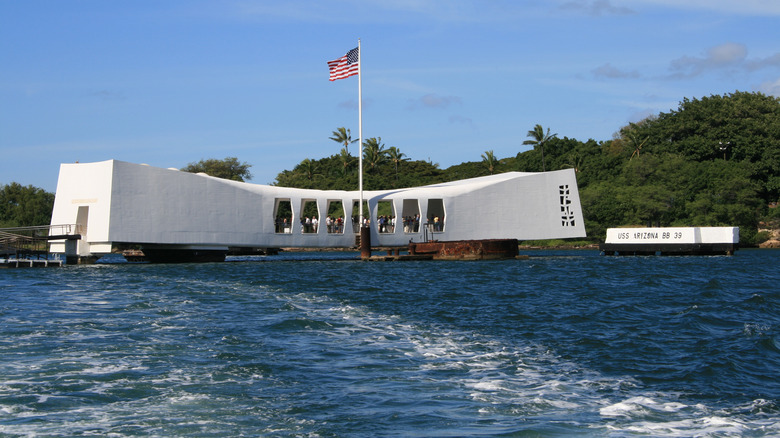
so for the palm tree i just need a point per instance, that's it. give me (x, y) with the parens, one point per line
(397, 157)
(345, 159)
(490, 161)
(309, 168)
(575, 162)
(539, 139)
(630, 134)
(374, 152)
(343, 136)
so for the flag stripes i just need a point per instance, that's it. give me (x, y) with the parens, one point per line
(345, 66)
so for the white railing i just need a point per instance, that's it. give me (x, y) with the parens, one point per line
(18, 241)
(40, 232)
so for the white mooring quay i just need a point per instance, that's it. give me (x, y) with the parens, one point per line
(671, 241)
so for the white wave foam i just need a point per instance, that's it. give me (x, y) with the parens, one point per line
(638, 406)
(103, 368)
(506, 379)
(645, 415)
(528, 379)
(705, 426)
(752, 330)
(486, 386)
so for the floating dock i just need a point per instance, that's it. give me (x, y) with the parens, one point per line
(671, 241)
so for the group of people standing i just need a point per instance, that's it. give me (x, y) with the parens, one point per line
(309, 224)
(334, 225)
(385, 224)
(412, 224)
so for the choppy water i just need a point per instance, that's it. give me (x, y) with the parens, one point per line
(563, 344)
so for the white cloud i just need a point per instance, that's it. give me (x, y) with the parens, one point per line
(771, 88)
(725, 54)
(443, 11)
(718, 57)
(611, 72)
(742, 7)
(353, 103)
(596, 8)
(770, 61)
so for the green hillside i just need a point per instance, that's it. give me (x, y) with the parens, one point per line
(714, 161)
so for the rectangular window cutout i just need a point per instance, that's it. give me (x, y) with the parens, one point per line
(310, 217)
(334, 222)
(436, 215)
(385, 217)
(283, 216)
(410, 214)
(356, 215)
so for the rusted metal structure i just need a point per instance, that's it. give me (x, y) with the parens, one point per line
(488, 249)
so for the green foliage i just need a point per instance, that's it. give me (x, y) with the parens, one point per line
(471, 169)
(396, 157)
(762, 236)
(24, 206)
(331, 174)
(228, 168)
(714, 161)
(490, 161)
(746, 125)
(374, 154)
(774, 215)
(343, 136)
(539, 139)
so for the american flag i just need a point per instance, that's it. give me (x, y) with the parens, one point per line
(345, 66)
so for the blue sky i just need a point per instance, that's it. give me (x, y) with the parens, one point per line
(171, 82)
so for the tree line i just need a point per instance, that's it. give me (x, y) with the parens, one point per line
(714, 161)
(23, 206)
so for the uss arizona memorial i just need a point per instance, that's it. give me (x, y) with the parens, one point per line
(116, 204)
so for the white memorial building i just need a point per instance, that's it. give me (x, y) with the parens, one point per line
(115, 204)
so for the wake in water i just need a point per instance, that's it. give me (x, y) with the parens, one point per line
(417, 350)
(531, 389)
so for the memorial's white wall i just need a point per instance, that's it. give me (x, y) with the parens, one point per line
(83, 197)
(135, 203)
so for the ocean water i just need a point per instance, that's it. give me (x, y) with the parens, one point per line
(567, 343)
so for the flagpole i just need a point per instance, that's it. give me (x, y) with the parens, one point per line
(360, 131)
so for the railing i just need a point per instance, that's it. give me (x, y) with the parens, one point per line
(45, 231)
(25, 241)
